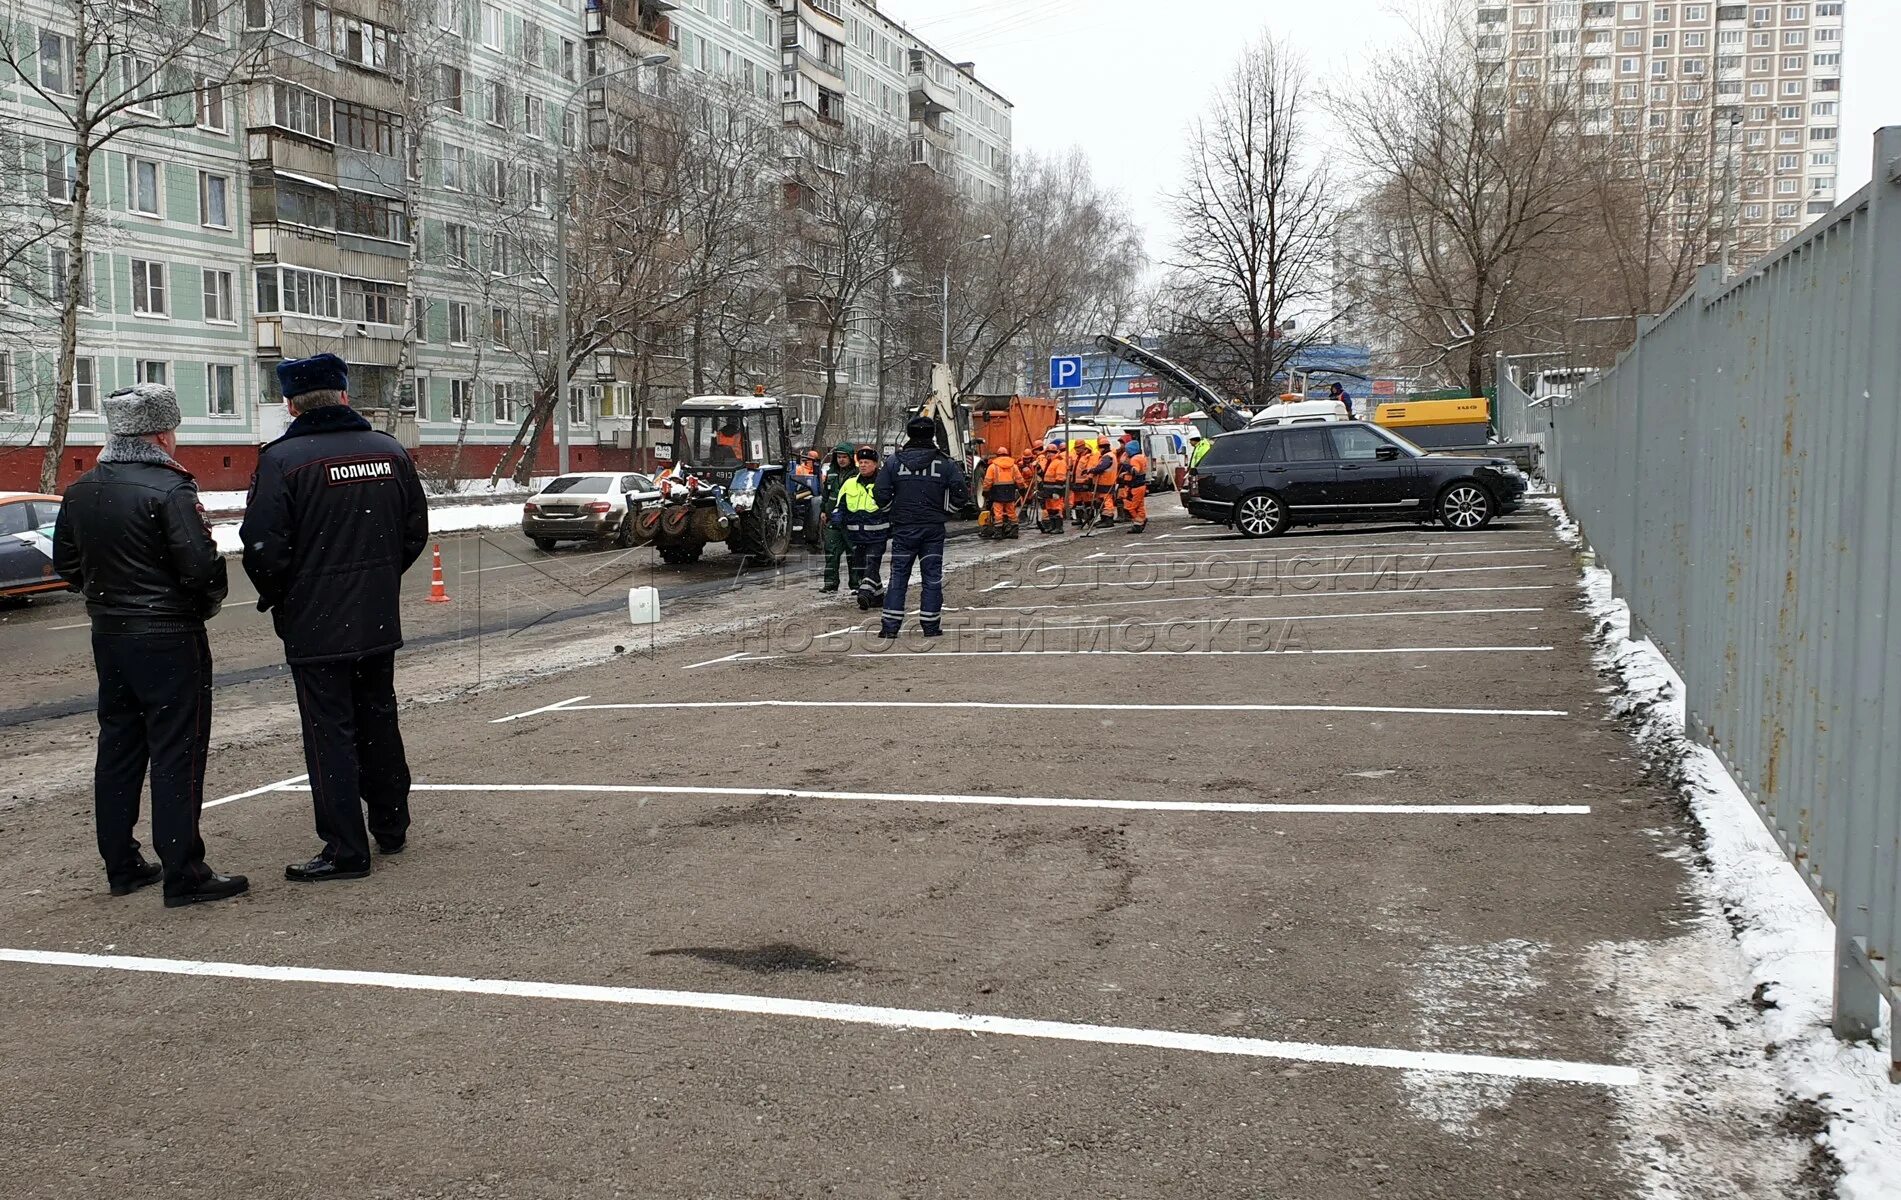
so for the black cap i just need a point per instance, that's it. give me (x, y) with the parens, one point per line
(920, 431)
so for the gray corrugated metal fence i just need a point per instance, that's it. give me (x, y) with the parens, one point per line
(1736, 472)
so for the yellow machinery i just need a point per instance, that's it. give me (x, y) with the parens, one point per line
(1438, 424)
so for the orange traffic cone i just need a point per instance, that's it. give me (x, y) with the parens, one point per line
(437, 593)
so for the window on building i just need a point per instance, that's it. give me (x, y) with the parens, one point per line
(214, 112)
(364, 128)
(302, 111)
(148, 287)
(142, 190)
(139, 76)
(1795, 12)
(1789, 112)
(449, 87)
(455, 167)
(497, 107)
(419, 318)
(569, 62)
(58, 267)
(534, 116)
(221, 390)
(373, 302)
(458, 324)
(1788, 187)
(459, 390)
(419, 386)
(456, 239)
(503, 397)
(61, 169)
(56, 62)
(498, 325)
(152, 370)
(295, 291)
(85, 385)
(1631, 39)
(366, 215)
(1823, 133)
(218, 294)
(364, 43)
(1660, 70)
(492, 27)
(303, 204)
(1822, 183)
(1660, 41)
(8, 402)
(1795, 37)
(214, 200)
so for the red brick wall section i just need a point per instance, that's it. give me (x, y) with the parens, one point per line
(228, 468)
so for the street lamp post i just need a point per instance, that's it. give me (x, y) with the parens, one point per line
(564, 360)
(947, 266)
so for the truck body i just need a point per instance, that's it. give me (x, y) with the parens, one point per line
(1015, 423)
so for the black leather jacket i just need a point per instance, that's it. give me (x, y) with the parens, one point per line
(132, 537)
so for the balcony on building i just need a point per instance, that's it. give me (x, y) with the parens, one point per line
(636, 26)
(929, 93)
(825, 16)
(825, 72)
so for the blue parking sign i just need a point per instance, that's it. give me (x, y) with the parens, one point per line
(1066, 373)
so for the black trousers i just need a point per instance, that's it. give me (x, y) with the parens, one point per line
(354, 753)
(154, 709)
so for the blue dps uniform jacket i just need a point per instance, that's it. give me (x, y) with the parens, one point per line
(336, 515)
(919, 485)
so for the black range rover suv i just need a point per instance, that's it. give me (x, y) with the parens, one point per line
(1262, 481)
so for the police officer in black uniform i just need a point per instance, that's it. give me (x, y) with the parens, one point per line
(920, 486)
(131, 536)
(336, 515)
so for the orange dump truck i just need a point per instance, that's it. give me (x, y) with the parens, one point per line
(1016, 423)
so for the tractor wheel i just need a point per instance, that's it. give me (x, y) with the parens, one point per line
(765, 533)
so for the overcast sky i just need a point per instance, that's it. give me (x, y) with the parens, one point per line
(1122, 79)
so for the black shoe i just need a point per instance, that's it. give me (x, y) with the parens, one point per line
(932, 631)
(217, 887)
(830, 587)
(391, 847)
(1138, 528)
(319, 869)
(143, 875)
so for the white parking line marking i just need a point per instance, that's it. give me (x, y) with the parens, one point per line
(1235, 596)
(280, 786)
(1028, 706)
(1186, 622)
(1393, 572)
(535, 712)
(75, 625)
(1386, 1058)
(1188, 806)
(948, 653)
(1306, 559)
(714, 662)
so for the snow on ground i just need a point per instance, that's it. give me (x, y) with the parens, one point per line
(443, 518)
(1785, 939)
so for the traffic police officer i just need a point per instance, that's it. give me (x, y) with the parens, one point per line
(920, 487)
(336, 515)
(131, 536)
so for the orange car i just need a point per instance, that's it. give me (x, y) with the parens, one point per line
(26, 544)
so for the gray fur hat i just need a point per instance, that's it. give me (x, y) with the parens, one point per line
(142, 408)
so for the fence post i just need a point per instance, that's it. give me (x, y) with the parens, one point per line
(1870, 860)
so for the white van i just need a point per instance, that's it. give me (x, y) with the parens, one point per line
(1300, 412)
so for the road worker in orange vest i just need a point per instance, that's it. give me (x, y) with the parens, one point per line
(1055, 476)
(1105, 472)
(1134, 481)
(1082, 482)
(1002, 485)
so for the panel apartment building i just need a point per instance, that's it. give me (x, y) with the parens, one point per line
(378, 192)
(1755, 86)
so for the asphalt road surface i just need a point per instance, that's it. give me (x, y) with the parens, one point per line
(1182, 867)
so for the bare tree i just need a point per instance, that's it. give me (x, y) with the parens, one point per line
(1471, 182)
(1063, 254)
(1254, 230)
(108, 71)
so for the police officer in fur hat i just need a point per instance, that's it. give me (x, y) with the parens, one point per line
(336, 515)
(920, 486)
(132, 538)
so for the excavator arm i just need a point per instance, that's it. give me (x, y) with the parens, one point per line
(1227, 414)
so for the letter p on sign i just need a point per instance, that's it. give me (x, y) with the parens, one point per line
(1066, 374)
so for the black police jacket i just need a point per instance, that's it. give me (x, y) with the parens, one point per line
(132, 537)
(920, 486)
(336, 515)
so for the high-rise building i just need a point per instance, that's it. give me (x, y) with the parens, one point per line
(385, 187)
(1749, 93)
